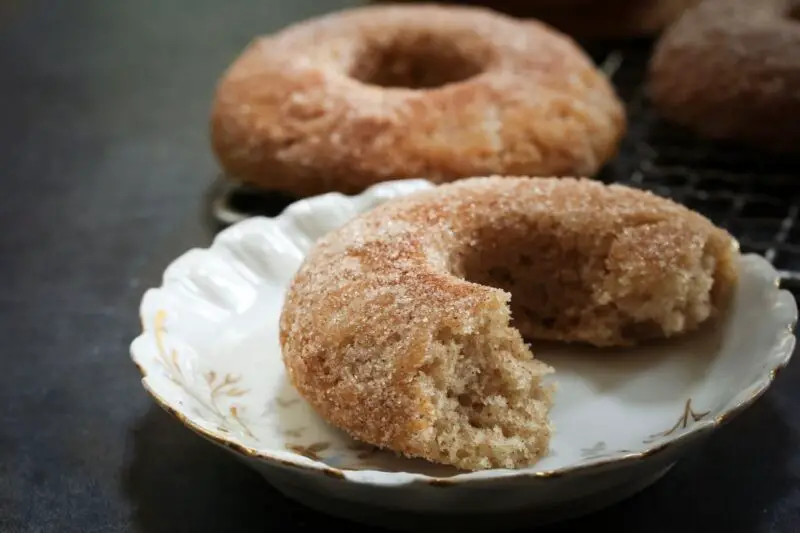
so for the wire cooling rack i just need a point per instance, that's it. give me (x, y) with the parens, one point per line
(752, 194)
(755, 195)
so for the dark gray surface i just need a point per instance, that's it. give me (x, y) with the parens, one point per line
(104, 161)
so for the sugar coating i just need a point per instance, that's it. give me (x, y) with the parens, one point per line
(297, 110)
(730, 69)
(405, 327)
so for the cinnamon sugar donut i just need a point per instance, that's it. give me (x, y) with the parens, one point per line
(346, 100)
(397, 327)
(730, 69)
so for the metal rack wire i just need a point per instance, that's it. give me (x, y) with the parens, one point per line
(753, 194)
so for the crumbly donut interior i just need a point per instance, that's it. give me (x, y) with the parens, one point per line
(415, 60)
(489, 402)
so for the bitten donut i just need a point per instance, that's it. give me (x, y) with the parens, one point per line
(398, 326)
(350, 99)
(730, 69)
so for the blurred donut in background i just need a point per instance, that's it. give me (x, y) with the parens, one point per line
(730, 70)
(353, 98)
(594, 19)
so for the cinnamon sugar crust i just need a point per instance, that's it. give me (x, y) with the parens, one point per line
(730, 69)
(349, 99)
(405, 327)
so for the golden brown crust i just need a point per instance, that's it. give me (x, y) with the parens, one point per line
(730, 69)
(604, 264)
(291, 114)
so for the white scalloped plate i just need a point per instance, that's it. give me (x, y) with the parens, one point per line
(209, 354)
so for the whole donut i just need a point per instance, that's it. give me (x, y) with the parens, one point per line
(325, 105)
(730, 69)
(397, 329)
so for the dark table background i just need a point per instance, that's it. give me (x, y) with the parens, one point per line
(104, 162)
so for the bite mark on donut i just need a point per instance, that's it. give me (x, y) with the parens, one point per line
(489, 402)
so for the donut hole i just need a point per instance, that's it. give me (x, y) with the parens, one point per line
(547, 278)
(415, 62)
(581, 288)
